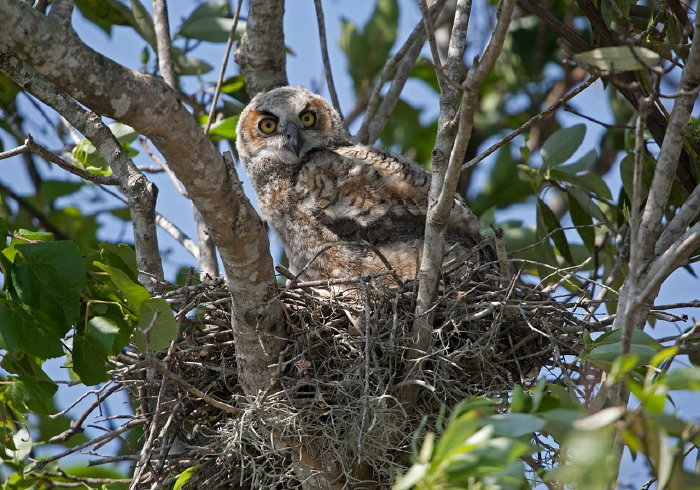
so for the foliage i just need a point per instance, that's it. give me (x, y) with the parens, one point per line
(66, 293)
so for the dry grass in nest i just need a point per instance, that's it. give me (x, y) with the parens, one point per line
(336, 408)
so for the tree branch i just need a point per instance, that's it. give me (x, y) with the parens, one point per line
(140, 193)
(263, 57)
(165, 55)
(153, 109)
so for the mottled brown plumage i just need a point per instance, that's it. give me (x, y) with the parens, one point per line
(314, 189)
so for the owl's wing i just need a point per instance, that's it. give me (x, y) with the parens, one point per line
(363, 193)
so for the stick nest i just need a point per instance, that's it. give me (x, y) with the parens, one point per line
(349, 395)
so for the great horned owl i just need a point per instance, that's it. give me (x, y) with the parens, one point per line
(315, 189)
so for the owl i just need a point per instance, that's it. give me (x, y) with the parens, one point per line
(339, 209)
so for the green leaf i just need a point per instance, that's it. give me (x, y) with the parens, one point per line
(134, 293)
(185, 65)
(619, 58)
(51, 278)
(53, 189)
(211, 29)
(185, 477)
(685, 378)
(162, 331)
(88, 362)
(224, 129)
(582, 164)
(551, 223)
(101, 13)
(581, 219)
(586, 203)
(638, 337)
(561, 145)
(514, 424)
(604, 355)
(29, 395)
(29, 330)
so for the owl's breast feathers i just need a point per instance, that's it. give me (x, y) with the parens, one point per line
(366, 194)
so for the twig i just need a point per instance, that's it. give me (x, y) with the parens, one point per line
(30, 146)
(106, 437)
(224, 63)
(157, 365)
(76, 425)
(548, 111)
(324, 55)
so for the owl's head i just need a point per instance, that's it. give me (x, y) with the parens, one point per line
(285, 124)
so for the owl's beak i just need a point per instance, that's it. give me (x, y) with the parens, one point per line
(293, 139)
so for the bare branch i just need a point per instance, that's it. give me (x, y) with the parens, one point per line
(165, 55)
(262, 57)
(324, 55)
(547, 112)
(417, 36)
(224, 64)
(175, 232)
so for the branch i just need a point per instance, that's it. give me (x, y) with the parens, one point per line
(262, 57)
(165, 55)
(140, 192)
(671, 148)
(324, 55)
(417, 36)
(30, 146)
(153, 109)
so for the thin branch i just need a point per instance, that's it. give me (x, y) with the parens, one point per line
(632, 281)
(224, 64)
(324, 55)
(547, 112)
(174, 231)
(165, 55)
(416, 36)
(30, 146)
(684, 216)
(112, 434)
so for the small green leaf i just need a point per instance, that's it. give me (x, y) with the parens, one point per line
(561, 145)
(29, 395)
(161, 331)
(582, 164)
(604, 355)
(134, 293)
(185, 65)
(185, 477)
(551, 223)
(586, 203)
(583, 221)
(224, 129)
(619, 58)
(514, 424)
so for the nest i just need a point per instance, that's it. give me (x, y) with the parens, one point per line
(350, 393)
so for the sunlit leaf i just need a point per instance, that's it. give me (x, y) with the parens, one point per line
(561, 145)
(619, 58)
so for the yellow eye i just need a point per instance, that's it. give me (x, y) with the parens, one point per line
(267, 125)
(308, 118)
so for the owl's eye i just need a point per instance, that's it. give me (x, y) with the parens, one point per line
(308, 118)
(267, 125)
